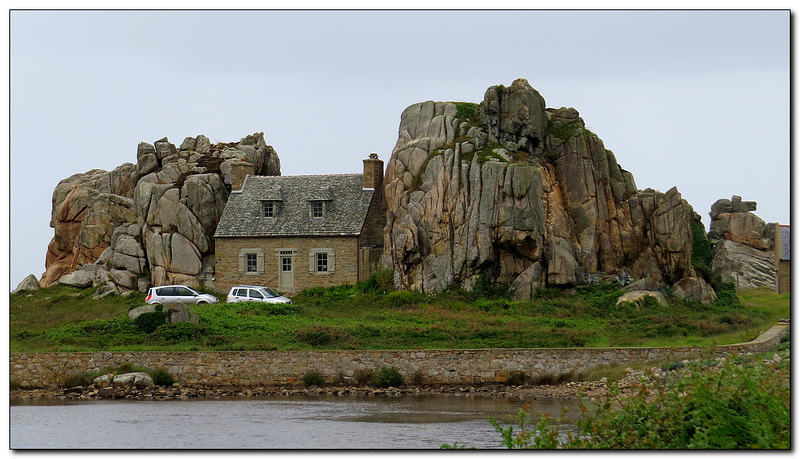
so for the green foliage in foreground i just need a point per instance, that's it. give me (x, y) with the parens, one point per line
(739, 404)
(371, 316)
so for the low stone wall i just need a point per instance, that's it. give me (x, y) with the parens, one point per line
(436, 367)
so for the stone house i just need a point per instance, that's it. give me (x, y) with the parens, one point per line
(295, 232)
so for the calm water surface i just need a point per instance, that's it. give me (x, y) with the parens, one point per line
(409, 422)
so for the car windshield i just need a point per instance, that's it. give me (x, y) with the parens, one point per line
(268, 292)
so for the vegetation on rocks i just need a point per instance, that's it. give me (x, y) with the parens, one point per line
(371, 316)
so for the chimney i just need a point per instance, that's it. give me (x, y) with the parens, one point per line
(239, 172)
(373, 172)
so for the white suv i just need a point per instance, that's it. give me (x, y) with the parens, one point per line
(243, 293)
(178, 294)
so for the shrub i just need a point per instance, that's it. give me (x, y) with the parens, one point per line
(149, 321)
(178, 332)
(379, 281)
(319, 335)
(402, 298)
(387, 377)
(724, 407)
(313, 378)
(363, 377)
(76, 380)
(162, 378)
(701, 251)
(517, 378)
(670, 366)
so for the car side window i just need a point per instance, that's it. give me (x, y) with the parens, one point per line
(167, 291)
(256, 294)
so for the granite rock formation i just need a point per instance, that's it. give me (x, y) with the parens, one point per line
(523, 195)
(149, 223)
(744, 245)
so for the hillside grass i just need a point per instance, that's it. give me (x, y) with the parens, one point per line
(65, 319)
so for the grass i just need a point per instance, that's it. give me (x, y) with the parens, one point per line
(62, 318)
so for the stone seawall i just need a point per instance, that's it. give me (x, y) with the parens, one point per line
(281, 368)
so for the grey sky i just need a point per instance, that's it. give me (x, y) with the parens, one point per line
(693, 99)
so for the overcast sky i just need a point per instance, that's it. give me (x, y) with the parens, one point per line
(693, 99)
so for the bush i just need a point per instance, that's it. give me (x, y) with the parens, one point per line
(363, 377)
(313, 378)
(670, 366)
(720, 407)
(402, 298)
(76, 380)
(178, 332)
(387, 377)
(380, 281)
(319, 335)
(162, 378)
(149, 321)
(517, 378)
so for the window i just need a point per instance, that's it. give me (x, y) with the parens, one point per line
(317, 209)
(268, 209)
(255, 294)
(322, 262)
(251, 262)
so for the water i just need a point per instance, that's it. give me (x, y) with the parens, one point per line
(409, 422)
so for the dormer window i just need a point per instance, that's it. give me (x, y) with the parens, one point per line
(268, 209)
(317, 209)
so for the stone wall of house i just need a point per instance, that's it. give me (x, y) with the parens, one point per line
(279, 368)
(345, 269)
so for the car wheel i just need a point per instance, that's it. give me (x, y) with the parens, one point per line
(202, 302)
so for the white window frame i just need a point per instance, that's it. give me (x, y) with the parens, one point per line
(259, 253)
(313, 261)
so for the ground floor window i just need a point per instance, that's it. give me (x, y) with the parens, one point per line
(321, 261)
(251, 261)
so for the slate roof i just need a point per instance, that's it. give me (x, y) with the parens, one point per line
(346, 205)
(786, 242)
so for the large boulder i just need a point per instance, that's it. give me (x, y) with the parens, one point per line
(86, 208)
(29, 284)
(524, 196)
(743, 245)
(175, 312)
(135, 379)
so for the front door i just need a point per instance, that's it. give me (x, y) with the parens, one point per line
(286, 280)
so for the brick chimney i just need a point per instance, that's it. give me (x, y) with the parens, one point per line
(239, 171)
(373, 172)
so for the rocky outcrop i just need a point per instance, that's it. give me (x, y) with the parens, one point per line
(523, 195)
(29, 284)
(744, 245)
(149, 223)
